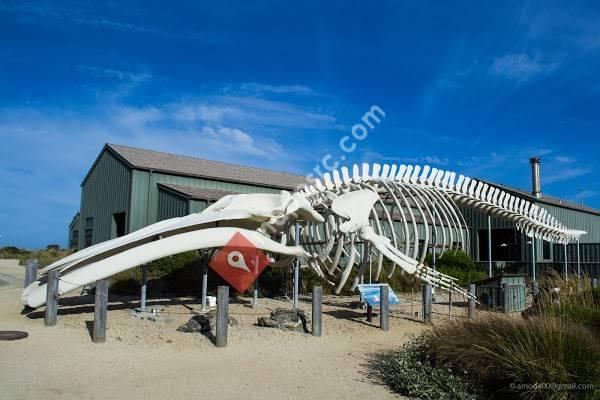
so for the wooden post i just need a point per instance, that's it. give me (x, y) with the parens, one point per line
(472, 304)
(505, 298)
(369, 313)
(427, 303)
(100, 311)
(222, 315)
(384, 307)
(317, 301)
(51, 299)
(30, 272)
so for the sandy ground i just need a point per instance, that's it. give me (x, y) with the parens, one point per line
(143, 359)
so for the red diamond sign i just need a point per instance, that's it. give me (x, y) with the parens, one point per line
(239, 262)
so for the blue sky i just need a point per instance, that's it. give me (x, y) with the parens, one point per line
(472, 87)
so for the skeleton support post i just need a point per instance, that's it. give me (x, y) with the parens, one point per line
(384, 307)
(317, 301)
(30, 272)
(578, 261)
(255, 291)
(489, 221)
(533, 258)
(204, 284)
(427, 303)
(296, 265)
(143, 288)
(100, 311)
(51, 299)
(449, 305)
(472, 303)
(566, 265)
(222, 315)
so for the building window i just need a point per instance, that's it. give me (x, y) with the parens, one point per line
(546, 251)
(89, 232)
(74, 242)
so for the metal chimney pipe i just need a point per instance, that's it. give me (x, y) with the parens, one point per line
(536, 186)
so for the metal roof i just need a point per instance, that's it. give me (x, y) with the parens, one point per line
(201, 168)
(545, 199)
(194, 193)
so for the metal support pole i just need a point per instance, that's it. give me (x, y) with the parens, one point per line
(222, 315)
(100, 312)
(317, 301)
(472, 304)
(30, 272)
(566, 265)
(426, 303)
(144, 288)
(255, 294)
(369, 313)
(204, 285)
(533, 267)
(296, 265)
(51, 313)
(489, 220)
(449, 305)
(434, 241)
(384, 307)
(578, 261)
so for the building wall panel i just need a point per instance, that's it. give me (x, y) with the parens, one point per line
(105, 192)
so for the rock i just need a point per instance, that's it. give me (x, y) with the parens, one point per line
(281, 318)
(203, 323)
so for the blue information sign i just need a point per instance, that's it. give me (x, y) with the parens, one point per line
(371, 293)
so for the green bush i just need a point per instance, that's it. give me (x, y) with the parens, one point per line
(458, 264)
(411, 372)
(45, 257)
(500, 352)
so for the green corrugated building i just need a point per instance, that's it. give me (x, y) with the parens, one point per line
(129, 188)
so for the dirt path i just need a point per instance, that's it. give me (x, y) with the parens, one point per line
(142, 359)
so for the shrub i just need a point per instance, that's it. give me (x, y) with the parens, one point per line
(499, 352)
(458, 264)
(410, 372)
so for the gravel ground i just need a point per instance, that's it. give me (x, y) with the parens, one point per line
(144, 359)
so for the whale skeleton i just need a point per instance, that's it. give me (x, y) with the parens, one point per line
(386, 211)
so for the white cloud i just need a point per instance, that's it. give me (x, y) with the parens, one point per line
(564, 159)
(287, 89)
(236, 110)
(520, 67)
(564, 174)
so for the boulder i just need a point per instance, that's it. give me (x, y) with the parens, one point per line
(203, 323)
(281, 318)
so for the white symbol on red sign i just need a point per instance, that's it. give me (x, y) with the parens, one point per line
(239, 262)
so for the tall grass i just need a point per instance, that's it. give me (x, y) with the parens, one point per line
(574, 300)
(503, 353)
